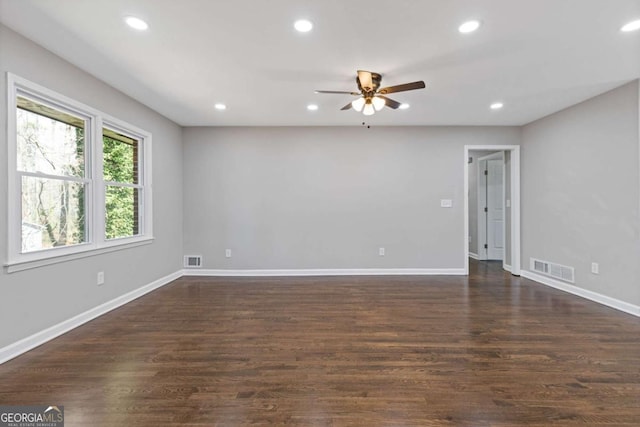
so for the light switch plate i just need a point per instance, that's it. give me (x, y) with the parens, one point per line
(446, 203)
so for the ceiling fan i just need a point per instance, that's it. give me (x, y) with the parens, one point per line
(371, 97)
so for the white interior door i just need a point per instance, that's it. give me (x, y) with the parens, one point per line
(495, 209)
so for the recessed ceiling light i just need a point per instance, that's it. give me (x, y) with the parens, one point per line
(496, 105)
(312, 107)
(220, 106)
(631, 26)
(469, 26)
(303, 25)
(404, 106)
(136, 23)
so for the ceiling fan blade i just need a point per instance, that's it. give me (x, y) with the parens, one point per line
(338, 92)
(346, 107)
(389, 102)
(402, 88)
(365, 79)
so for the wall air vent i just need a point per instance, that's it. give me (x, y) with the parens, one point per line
(192, 261)
(557, 271)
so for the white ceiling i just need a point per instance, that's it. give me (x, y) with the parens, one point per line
(536, 56)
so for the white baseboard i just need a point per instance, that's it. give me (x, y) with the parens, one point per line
(328, 272)
(473, 255)
(19, 347)
(507, 267)
(584, 293)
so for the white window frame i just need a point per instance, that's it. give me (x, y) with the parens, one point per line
(96, 241)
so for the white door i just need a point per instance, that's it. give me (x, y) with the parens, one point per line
(495, 209)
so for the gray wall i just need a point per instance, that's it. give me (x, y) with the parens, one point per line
(328, 197)
(36, 299)
(580, 193)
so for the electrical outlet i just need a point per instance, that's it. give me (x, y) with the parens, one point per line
(227, 253)
(595, 268)
(381, 251)
(100, 278)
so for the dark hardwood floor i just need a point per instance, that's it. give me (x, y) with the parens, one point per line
(485, 350)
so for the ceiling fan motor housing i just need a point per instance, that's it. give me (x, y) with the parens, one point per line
(375, 82)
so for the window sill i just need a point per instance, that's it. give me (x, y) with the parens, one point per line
(12, 267)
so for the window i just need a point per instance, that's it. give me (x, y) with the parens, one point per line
(122, 186)
(79, 180)
(51, 175)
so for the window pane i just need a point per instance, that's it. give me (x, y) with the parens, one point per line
(121, 212)
(53, 213)
(120, 154)
(49, 141)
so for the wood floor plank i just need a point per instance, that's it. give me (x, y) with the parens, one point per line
(485, 350)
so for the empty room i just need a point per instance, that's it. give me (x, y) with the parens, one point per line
(320, 213)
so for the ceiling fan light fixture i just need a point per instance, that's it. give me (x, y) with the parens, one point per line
(358, 104)
(469, 26)
(378, 103)
(368, 109)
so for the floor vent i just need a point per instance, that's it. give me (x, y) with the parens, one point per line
(192, 261)
(556, 271)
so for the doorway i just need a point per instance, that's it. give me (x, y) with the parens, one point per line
(501, 231)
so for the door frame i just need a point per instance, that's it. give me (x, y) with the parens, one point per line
(481, 226)
(514, 151)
